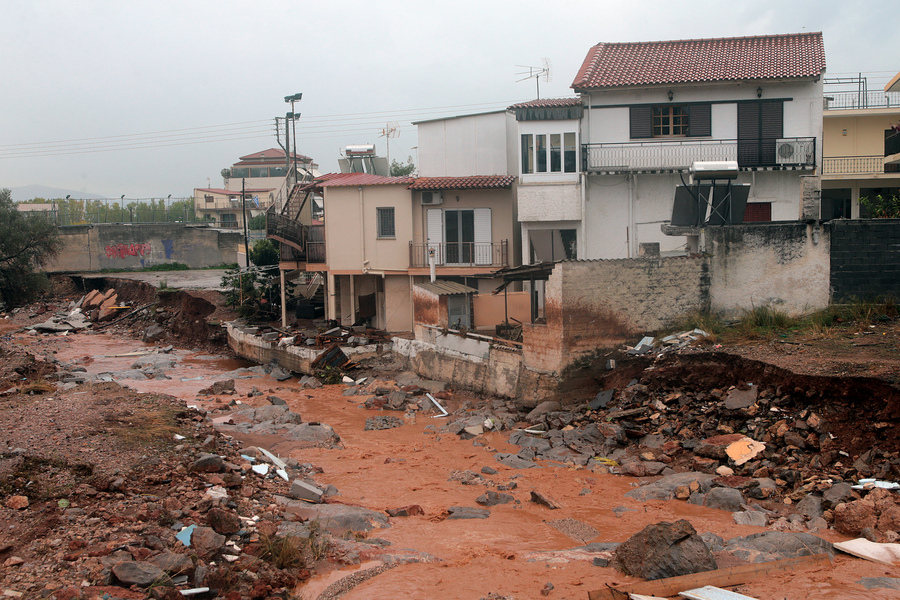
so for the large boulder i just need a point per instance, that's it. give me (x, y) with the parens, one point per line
(665, 550)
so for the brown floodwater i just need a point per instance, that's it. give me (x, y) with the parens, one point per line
(412, 464)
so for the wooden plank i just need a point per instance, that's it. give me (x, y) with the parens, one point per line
(720, 577)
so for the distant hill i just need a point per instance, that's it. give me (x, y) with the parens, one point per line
(29, 192)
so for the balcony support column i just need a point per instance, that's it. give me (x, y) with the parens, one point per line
(283, 300)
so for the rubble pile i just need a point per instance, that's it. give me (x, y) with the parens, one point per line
(320, 334)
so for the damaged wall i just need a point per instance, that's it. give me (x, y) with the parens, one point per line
(593, 305)
(782, 265)
(139, 245)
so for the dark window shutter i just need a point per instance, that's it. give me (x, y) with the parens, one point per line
(641, 118)
(700, 120)
(771, 128)
(748, 134)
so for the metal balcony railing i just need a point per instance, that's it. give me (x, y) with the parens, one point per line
(286, 230)
(315, 244)
(851, 100)
(677, 155)
(460, 254)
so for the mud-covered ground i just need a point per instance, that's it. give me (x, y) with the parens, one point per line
(105, 476)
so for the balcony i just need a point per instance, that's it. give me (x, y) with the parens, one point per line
(460, 254)
(673, 156)
(858, 100)
(856, 165)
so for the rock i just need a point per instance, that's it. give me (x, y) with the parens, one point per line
(223, 521)
(714, 447)
(751, 517)
(542, 409)
(16, 502)
(153, 333)
(382, 422)
(172, 563)
(542, 498)
(776, 545)
(724, 471)
(206, 541)
(465, 512)
(839, 492)
(810, 506)
(737, 399)
(665, 550)
(218, 388)
(514, 461)
(723, 498)
(792, 438)
(338, 519)
(488, 470)
(666, 488)
(852, 517)
(889, 519)
(276, 401)
(275, 413)
(280, 374)
(139, 573)
(406, 511)
(208, 463)
(492, 498)
(305, 491)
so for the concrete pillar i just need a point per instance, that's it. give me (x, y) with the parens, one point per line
(330, 298)
(283, 300)
(811, 197)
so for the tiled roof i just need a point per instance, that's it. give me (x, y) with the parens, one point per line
(474, 182)
(218, 191)
(687, 61)
(547, 103)
(270, 154)
(350, 179)
(439, 287)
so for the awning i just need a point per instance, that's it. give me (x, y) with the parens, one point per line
(446, 288)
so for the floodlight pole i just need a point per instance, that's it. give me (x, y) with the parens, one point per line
(293, 98)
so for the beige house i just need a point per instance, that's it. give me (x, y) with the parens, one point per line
(861, 144)
(382, 234)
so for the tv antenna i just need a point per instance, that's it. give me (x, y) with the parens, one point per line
(536, 73)
(392, 129)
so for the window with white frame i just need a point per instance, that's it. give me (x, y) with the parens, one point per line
(549, 153)
(384, 217)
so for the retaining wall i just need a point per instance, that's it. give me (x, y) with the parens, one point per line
(139, 245)
(865, 258)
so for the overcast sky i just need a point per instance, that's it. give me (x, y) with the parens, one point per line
(154, 98)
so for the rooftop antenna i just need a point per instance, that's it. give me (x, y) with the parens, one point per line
(392, 129)
(536, 73)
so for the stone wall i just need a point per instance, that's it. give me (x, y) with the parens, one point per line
(595, 305)
(139, 245)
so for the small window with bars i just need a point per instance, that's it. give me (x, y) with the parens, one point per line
(385, 221)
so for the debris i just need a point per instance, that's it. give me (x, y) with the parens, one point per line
(887, 554)
(868, 484)
(305, 491)
(184, 536)
(17, 502)
(712, 593)
(261, 469)
(466, 512)
(744, 450)
(332, 357)
(720, 577)
(891, 583)
(541, 498)
(444, 413)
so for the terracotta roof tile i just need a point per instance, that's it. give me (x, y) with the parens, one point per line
(474, 182)
(547, 103)
(270, 154)
(686, 61)
(351, 179)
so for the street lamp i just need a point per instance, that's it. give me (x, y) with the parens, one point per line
(293, 116)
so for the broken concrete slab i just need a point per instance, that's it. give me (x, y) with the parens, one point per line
(305, 491)
(886, 554)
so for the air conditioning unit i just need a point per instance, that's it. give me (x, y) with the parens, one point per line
(790, 152)
(431, 198)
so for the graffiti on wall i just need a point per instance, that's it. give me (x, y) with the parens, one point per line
(125, 250)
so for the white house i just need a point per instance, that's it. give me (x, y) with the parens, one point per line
(645, 112)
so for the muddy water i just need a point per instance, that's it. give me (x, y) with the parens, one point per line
(411, 465)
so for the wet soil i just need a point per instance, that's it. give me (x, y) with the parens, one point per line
(507, 553)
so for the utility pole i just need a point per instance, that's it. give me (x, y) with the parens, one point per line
(244, 212)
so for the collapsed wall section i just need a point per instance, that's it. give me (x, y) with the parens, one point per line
(595, 305)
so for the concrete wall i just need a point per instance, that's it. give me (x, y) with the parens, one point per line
(503, 214)
(490, 370)
(351, 234)
(467, 145)
(550, 202)
(594, 305)
(135, 246)
(865, 259)
(490, 310)
(782, 265)
(864, 131)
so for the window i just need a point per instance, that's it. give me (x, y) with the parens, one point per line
(259, 171)
(835, 204)
(461, 237)
(208, 198)
(670, 121)
(239, 172)
(229, 220)
(385, 221)
(758, 212)
(549, 153)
